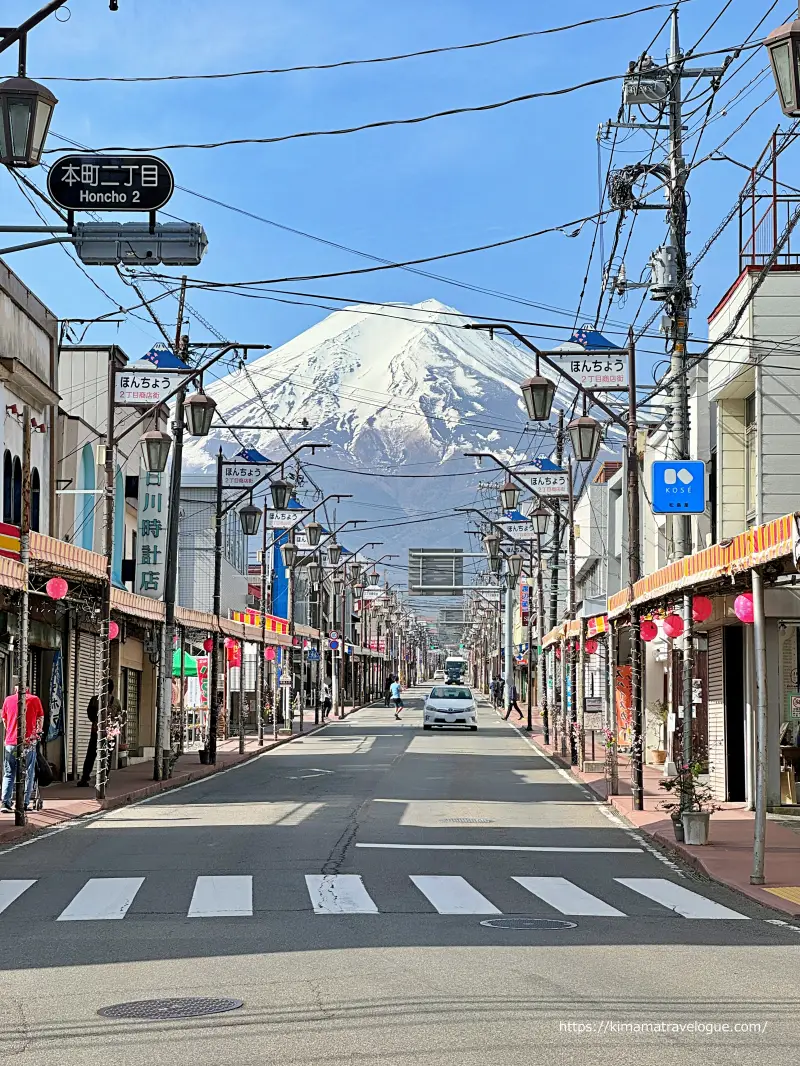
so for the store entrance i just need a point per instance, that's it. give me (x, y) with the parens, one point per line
(735, 731)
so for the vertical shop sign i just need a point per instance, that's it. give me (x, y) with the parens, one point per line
(623, 703)
(151, 539)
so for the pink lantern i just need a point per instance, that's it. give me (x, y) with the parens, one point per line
(208, 644)
(230, 642)
(269, 653)
(591, 646)
(673, 626)
(558, 651)
(702, 608)
(743, 608)
(56, 588)
(113, 630)
(648, 630)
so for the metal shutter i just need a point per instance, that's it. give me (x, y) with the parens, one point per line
(130, 705)
(88, 659)
(716, 713)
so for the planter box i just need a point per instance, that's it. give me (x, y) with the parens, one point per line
(593, 766)
(695, 827)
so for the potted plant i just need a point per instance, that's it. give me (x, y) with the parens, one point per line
(659, 711)
(692, 805)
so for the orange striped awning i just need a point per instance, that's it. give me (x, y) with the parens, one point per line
(11, 574)
(67, 558)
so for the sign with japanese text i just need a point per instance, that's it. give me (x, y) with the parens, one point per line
(524, 602)
(623, 704)
(110, 182)
(151, 534)
(241, 475)
(548, 483)
(519, 530)
(283, 519)
(596, 370)
(140, 388)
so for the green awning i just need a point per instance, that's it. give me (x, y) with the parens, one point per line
(189, 664)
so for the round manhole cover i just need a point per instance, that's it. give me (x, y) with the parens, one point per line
(170, 1009)
(528, 923)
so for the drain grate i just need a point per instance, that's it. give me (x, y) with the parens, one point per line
(170, 1009)
(467, 821)
(528, 923)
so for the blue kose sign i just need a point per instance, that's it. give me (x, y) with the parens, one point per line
(679, 486)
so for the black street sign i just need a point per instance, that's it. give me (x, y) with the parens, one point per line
(110, 182)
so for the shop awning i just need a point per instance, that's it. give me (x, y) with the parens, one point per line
(189, 664)
(754, 547)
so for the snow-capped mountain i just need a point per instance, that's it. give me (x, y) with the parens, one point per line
(394, 390)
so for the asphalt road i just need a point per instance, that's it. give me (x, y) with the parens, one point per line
(340, 887)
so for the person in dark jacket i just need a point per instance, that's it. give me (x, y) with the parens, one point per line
(387, 690)
(113, 717)
(513, 696)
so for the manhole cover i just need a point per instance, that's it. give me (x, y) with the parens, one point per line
(467, 821)
(169, 1009)
(528, 923)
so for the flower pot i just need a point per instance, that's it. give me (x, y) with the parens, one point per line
(695, 826)
(659, 756)
(203, 756)
(677, 828)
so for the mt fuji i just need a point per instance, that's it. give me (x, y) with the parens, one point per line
(394, 390)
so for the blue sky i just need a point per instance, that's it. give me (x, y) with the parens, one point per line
(398, 193)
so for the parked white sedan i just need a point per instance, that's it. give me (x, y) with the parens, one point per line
(450, 705)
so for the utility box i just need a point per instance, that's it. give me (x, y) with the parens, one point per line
(114, 243)
(663, 272)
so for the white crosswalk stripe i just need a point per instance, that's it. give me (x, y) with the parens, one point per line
(102, 899)
(677, 898)
(454, 895)
(339, 894)
(110, 898)
(11, 890)
(561, 894)
(222, 897)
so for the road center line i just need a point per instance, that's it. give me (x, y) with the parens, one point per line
(500, 847)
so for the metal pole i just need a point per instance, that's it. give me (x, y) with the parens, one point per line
(541, 655)
(530, 640)
(571, 664)
(634, 574)
(105, 607)
(564, 647)
(508, 653)
(22, 641)
(762, 734)
(581, 692)
(263, 619)
(288, 665)
(213, 684)
(181, 700)
(688, 661)
(163, 741)
(342, 687)
(556, 554)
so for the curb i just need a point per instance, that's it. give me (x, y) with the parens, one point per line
(28, 832)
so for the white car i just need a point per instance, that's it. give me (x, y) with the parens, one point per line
(450, 705)
(439, 675)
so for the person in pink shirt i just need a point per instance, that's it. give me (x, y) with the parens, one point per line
(34, 720)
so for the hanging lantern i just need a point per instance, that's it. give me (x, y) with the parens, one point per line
(491, 543)
(113, 630)
(538, 393)
(290, 551)
(673, 626)
(509, 496)
(281, 494)
(373, 577)
(783, 45)
(355, 570)
(208, 644)
(250, 517)
(57, 588)
(334, 553)
(702, 608)
(26, 108)
(198, 411)
(313, 533)
(743, 608)
(314, 571)
(156, 445)
(590, 646)
(585, 433)
(648, 630)
(514, 564)
(269, 653)
(540, 519)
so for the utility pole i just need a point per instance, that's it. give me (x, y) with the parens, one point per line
(541, 661)
(263, 616)
(570, 644)
(24, 602)
(634, 574)
(555, 559)
(213, 708)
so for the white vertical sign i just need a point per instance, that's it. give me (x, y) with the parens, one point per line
(151, 535)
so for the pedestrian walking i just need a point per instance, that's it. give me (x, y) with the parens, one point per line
(513, 696)
(34, 721)
(397, 699)
(387, 690)
(114, 716)
(327, 702)
(493, 691)
(499, 688)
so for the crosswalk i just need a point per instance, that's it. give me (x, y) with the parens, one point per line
(113, 898)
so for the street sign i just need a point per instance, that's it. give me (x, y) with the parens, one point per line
(679, 486)
(333, 635)
(547, 482)
(333, 644)
(519, 530)
(599, 370)
(139, 388)
(286, 679)
(283, 519)
(313, 656)
(241, 475)
(110, 182)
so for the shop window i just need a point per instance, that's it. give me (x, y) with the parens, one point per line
(85, 508)
(750, 456)
(16, 492)
(36, 500)
(8, 477)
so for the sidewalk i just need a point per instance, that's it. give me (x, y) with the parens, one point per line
(728, 856)
(64, 801)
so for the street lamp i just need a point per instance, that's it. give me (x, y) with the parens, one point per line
(358, 591)
(338, 585)
(355, 572)
(281, 494)
(250, 517)
(290, 551)
(538, 394)
(373, 577)
(491, 543)
(585, 433)
(540, 520)
(156, 444)
(334, 553)
(314, 573)
(313, 533)
(26, 108)
(783, 46)
(514, 563)
(198, 410)
(495, 564)
(509, 496)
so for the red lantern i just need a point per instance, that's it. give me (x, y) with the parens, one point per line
(269, 653)
(208, 644)
(558, 651)
(230, 642)
(648, 630)
(591, 646)
(673, 626)
(702, 608)
(113, 630)
(743, 608)
(57, 588)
